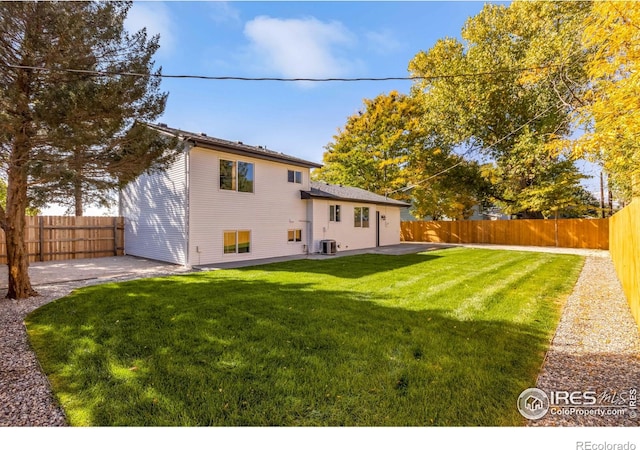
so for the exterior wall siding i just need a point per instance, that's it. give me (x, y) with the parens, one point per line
(269, 212)
(348, 236)
(390, 227)
(155, 211)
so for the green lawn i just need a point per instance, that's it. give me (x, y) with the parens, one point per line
(441, 338)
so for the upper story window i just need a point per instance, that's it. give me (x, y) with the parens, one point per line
(236, 176)
(334, 213)
(294, 176)
(361, 217)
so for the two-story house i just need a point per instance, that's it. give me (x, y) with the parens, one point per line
(224, 201)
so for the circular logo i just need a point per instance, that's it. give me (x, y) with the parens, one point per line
(533, 403)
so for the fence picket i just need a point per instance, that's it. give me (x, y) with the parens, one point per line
(573, 233)
(52, 238)
(625, 253)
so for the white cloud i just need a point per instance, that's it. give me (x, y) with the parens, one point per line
(300, 48)
(157, 19)
(383, 41)
(222, 12)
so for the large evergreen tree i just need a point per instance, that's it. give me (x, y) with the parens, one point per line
(64, 129)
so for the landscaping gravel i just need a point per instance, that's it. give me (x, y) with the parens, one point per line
(25, 393)
(25, 396)
(596, 347)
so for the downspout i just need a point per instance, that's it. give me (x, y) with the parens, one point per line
(187, 208)
(308, 211)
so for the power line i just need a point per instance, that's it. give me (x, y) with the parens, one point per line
(537, 116)
(281, 79)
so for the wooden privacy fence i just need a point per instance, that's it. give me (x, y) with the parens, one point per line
(573, 233)
(54, 238)
(624, 246)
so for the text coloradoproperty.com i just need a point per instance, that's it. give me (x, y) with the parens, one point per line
(588, 411)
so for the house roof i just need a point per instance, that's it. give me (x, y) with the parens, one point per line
(347, 193)
(237, 148)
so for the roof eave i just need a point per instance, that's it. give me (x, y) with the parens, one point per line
(306, 195)
(249, 152)
(230, 147)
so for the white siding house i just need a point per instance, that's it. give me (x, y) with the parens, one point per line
(155, 211)
(353, 217)
(225, 201)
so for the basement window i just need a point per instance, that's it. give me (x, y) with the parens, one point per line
(294, 235)
(237, 241)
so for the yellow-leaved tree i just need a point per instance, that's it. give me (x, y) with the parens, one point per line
(612, 111)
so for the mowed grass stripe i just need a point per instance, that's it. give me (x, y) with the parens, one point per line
(477, 274)
(438, 279)
(307, 343)
(534, 298)
(496, 288)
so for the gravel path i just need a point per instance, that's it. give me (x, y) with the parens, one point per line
(596, 347)
(25, 396)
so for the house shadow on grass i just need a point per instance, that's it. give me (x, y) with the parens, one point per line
(224, 351)
(356, 266)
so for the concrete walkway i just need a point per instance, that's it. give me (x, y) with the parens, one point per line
(404, 248)
(73, 270)
(523, 248)
(119, 267)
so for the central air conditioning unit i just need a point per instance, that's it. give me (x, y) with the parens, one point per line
(328, 247)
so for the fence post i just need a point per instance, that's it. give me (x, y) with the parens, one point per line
(41, 238)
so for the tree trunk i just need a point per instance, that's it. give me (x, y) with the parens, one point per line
(77, 180)
(17, 257)
(15, 213)
(77, 194)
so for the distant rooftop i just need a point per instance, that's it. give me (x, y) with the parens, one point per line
(237, 147)
(348, 193)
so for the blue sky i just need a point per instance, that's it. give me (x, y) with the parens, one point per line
(287, 39)
(295, 40)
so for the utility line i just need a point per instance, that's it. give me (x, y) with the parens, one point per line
(537, 116)
(282, 79)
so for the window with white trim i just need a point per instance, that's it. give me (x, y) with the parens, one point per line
(334, 213)
(237, 241)
(294, 235)
(361, 217)
(236, 176)
(294, 176)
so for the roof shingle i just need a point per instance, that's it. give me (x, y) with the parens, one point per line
(238, 148)
(348, 193)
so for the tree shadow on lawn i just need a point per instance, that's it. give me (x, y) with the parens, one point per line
(203, 350)
(356, 266)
